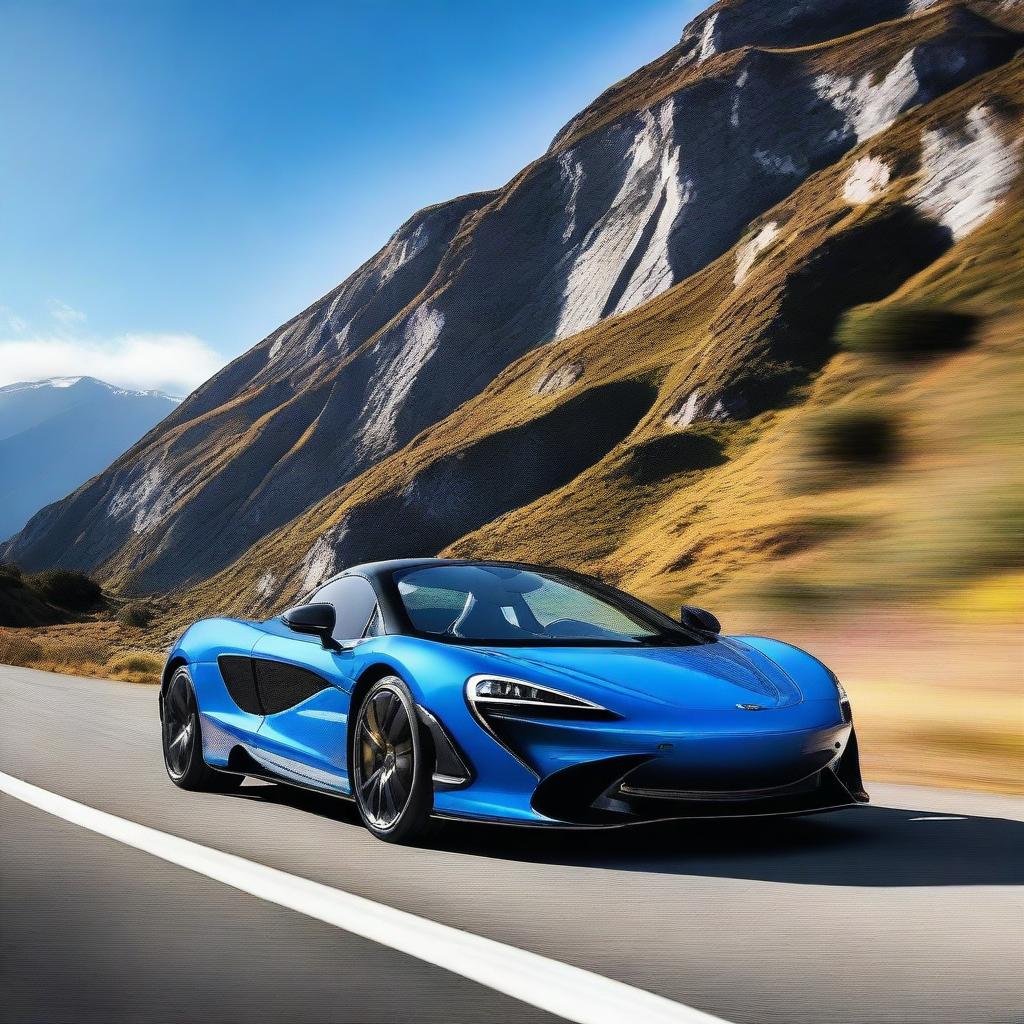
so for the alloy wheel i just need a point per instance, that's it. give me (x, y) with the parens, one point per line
(384, 758)
(179, 725)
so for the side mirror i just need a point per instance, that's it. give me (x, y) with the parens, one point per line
(314, 620)
(700, 619)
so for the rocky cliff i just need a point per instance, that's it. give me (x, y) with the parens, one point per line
(556, 368)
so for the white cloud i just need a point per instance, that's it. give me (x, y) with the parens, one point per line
(67, 315)
(175, 363)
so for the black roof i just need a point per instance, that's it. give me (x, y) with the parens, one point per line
(375, 570)
(390, 565)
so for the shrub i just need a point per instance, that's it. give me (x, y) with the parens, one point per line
(788, 593)
(135, 613)
(67, 588)
(136, 663)
(853, 436)
(905, 332)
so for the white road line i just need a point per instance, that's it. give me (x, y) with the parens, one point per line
(550, 985)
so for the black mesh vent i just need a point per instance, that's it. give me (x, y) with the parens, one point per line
(241, 682)
(283, 686)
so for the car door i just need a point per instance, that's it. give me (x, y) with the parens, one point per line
(306, 689)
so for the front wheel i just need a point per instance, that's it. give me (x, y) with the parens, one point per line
(392, 764)
(183, 742)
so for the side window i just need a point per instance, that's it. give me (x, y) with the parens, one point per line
(354, 602)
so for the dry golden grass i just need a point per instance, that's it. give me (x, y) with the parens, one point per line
(16, 648)
(875, 49)
(94, 648)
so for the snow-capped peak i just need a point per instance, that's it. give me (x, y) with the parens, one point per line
(57, 383)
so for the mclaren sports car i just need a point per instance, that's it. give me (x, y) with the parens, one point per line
(425, 689)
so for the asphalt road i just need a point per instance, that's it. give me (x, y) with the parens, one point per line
(907, 910)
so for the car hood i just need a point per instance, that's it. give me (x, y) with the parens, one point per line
(712, 676)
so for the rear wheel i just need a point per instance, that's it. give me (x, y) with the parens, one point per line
(392, 764)
(183, 742)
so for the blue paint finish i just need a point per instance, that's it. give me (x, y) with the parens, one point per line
(309, 740)
(816, 681)
(674, 707)
(311, 736)
(223, 724)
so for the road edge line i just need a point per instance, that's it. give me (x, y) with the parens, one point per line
(569, 992)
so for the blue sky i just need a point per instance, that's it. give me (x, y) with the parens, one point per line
(178, 178)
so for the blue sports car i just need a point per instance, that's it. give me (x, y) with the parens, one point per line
(495, 691)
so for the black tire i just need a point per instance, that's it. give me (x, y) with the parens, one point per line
(392, 765)
(183, 742)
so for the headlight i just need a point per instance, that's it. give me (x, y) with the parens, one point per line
(495, 694)
(500, 705)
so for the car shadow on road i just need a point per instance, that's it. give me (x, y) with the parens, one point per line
(859, 846)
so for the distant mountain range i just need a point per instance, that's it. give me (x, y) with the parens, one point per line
(55, 434)
(601, 363)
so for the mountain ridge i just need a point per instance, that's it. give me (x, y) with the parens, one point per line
(613, 218)
(66, 382)
(56, 433)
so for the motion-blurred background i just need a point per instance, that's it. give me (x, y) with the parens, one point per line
(749, 334)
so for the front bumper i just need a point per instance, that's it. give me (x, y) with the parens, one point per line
(611, 792)
(616, 772)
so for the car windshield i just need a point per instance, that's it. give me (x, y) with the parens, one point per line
(503, 604)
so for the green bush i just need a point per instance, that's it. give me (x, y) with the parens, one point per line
(853, 436)
(66, 588)
(905, 332)
(136, 661)
(135, 613)
(789, 593)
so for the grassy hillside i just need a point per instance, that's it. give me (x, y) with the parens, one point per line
(736, 495)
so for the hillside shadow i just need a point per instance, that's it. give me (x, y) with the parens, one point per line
(506, 470)
(860, 846)
(671, 454)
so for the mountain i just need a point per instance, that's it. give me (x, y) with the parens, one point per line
(598, 364)
(55, 434)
